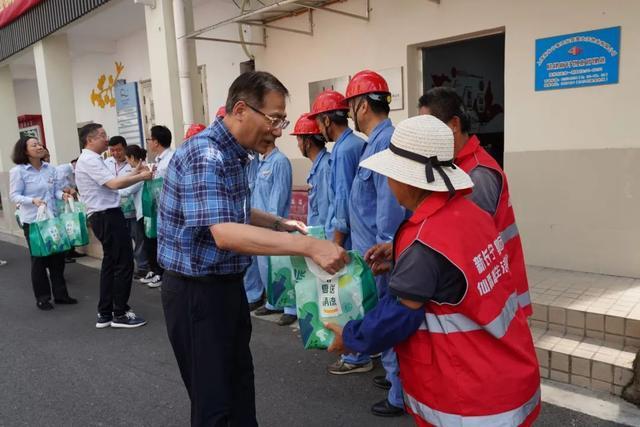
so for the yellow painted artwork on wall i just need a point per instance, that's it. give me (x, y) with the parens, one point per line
(102, 95)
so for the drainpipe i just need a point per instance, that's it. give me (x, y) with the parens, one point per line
(180, 8)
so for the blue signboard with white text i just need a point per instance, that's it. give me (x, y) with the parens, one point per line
(575, 60)
(128, 112)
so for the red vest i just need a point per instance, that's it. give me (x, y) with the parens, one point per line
(472, 363)
(470, 157)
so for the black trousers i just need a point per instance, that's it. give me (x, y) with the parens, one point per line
(117, 262)
(151, 247)
(39, 278)
(209, 328)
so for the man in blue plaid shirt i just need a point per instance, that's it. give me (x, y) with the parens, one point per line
(206, 234)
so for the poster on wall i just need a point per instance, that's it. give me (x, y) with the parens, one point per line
(31, 132)
(393, 76)
(588, 58)
(337, 83)
(128, 112)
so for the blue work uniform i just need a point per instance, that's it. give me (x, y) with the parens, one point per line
(345, 157)
(375, 217)
(318, 181)
(271, 193)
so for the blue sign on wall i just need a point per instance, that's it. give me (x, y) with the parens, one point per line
(581, 59)
(128, 111)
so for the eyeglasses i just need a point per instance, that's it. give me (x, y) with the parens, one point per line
(276, 122)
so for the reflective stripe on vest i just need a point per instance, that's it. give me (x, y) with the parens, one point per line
(511, 418)
(524, 299)
(457, 322)
(509, 233)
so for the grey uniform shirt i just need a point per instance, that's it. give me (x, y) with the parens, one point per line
(422, 274)
(487, 186)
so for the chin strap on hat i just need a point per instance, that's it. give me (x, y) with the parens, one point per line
(430, 164)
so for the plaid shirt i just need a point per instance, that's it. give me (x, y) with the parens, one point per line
(205, 184)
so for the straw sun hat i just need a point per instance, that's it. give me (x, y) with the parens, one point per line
(421, 155)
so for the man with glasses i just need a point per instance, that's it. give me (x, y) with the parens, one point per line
(98, 187)
(207, 230)
(375, 216)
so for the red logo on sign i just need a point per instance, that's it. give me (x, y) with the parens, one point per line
(575, 51)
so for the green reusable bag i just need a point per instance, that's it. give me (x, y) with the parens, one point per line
(150, 197)
(75, 224)
(348, 295)
(151, 227)
(285, 271)
(128, 206)
(47, 235)
(60, 206)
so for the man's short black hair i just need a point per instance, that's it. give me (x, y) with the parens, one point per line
(252, 87)
(317, 140)
(87, 131)
(162, 134)
(377, 106)
(444, 103)
(19, 155)
(338, 117)
(115, 140)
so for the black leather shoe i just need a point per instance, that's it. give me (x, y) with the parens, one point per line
(67, 300)
(73, 254)
(255, 305)
(381, 382)
(386, 409)
(287, 319)
(44, 305)
(264, 311)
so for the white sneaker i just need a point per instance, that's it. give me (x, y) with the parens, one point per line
(155, 282)
(149, 277)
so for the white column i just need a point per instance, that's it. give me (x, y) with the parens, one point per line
(191, 94)
(163, 63)
(55, 87)
(8, 137)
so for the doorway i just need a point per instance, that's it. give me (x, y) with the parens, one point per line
(475, 68)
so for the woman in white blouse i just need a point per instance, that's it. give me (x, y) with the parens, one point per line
(33, 184)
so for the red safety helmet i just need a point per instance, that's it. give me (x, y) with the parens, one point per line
(329, 100)
(222, 111)
(365, 82)
(306, 126)
(193, 130)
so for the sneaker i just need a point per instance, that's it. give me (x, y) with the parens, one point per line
(128, 320)
(155, 281)
(104, 321)
(148, 277)
(140, 274)
(341, 367)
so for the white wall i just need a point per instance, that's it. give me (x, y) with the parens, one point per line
(132, 52)
(27, 97)
(86, 71)
(222, 60)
